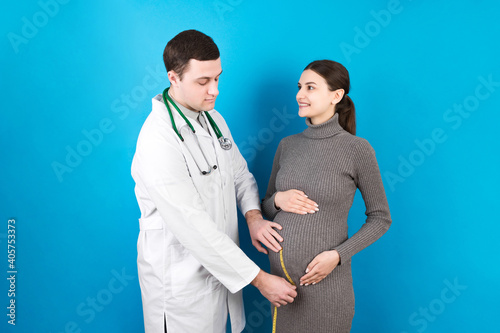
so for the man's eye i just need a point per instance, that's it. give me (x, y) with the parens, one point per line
(202, 83)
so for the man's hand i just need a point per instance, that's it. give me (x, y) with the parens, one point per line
(295, 201)
(322, 265)
(262, 232)
(276, 289)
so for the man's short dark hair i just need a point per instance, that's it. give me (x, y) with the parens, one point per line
(189, 44)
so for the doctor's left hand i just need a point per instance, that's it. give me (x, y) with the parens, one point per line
(262, 232)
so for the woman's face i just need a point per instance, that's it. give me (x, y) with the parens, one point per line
(315, 100)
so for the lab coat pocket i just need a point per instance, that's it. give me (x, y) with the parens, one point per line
(189, 278)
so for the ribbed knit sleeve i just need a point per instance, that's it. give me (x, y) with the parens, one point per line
(369, 182)
(268, 208)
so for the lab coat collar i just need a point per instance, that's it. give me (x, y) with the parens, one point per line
(192, 115)
(160, 109)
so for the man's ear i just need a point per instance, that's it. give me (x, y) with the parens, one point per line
(174, 78)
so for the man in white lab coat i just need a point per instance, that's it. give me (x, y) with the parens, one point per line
(191, 269)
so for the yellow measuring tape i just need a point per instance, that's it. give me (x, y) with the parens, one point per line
(289, 280)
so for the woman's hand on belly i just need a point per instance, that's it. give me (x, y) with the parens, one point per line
(322, 265)
(295, 201)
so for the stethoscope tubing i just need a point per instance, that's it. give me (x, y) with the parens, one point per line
(225, 143)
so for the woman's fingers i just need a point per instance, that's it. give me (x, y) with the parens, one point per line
(303, 197)
(295, 201)
(308, 203)
(313, 278)
(300, 192)
(301, 209)
(322, 265)
(306, 200)
(305, 204)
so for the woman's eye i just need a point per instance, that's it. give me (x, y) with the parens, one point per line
(310, 88)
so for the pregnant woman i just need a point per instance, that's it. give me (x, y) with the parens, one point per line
(314, 178)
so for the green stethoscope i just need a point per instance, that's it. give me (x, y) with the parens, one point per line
(225, 143)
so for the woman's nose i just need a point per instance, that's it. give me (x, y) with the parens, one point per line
(299, 95)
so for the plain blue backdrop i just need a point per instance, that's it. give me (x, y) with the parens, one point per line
(77, 78)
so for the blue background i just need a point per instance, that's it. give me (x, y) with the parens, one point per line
(92, 67)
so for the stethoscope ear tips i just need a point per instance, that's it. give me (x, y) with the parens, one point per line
(208, 172)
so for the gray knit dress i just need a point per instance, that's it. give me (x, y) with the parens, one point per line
(328, 164)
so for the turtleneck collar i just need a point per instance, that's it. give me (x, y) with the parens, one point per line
(329, 128)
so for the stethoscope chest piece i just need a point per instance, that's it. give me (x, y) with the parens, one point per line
(225, 143)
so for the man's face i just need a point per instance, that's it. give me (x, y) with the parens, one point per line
(198, 88)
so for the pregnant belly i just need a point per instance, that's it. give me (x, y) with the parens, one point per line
(305, 236)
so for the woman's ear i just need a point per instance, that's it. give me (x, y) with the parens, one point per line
(337, 96)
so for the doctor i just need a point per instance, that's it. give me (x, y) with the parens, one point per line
(189, 177)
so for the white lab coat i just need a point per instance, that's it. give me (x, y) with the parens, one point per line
(188, 253)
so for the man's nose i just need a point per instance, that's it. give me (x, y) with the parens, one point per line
(213, 89)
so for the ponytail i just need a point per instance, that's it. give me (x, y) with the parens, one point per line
(337, 77)
(347, 114)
